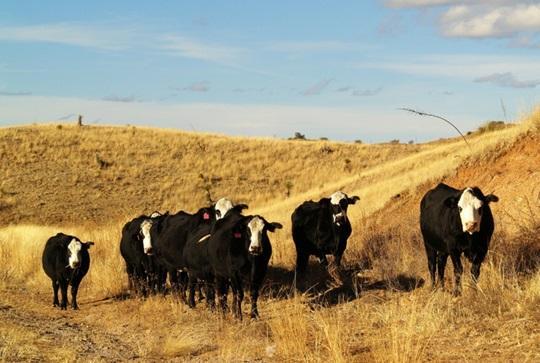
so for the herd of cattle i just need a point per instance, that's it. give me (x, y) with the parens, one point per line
(218, 247)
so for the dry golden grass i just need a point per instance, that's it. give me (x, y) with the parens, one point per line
(387, 314)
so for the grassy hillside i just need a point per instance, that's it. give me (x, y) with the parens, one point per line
(385, 311)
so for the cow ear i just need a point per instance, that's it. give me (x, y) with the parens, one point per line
(353, 200)
(88, 244)
(240, 207)
(273, 226)
(451, 202)
(492, 198)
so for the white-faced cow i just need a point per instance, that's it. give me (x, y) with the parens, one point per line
(66, 261)
(453, 222)
(144, 273)
(239, 248)
(321, 228)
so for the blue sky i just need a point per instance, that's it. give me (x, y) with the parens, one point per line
(335, 69)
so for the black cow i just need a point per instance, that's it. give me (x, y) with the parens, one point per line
(144, 273)
(167, 237)
(196, 258)
(321, 228)
(453, 222)
(66, 260)
(239, 247)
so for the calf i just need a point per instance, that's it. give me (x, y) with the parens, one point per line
(66, 261)
(321, 228)
(453, 222)
(239, 247)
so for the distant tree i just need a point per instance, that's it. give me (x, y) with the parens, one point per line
(358, 141)
(394, 141)
(298, 136)
(411, 142)
(79, 121)
(323, 138)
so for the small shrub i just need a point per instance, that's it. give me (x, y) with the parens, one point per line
(491, 126)
(358, 141)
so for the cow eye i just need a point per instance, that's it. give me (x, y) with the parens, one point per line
(460, 209)
(218, 213)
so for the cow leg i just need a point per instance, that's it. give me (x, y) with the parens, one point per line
(238, 296)
(200, 292)
(475, 267)
(183, 284)
(441, 265)
(173, 280)
(55, 287)
(432, 263)
(222, 289)
(258, 272)
(300, 273)
(63, 290)
(458, 270)
(210, 298)
(192, 281)
(74, 290)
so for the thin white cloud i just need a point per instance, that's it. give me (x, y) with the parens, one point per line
(120, 37)
(197, 87)
(15, 93)
(76, 34)
(317, 88)
(366, 92)
(464, 66)
(189, 48)
(508, 80)
(123, 99)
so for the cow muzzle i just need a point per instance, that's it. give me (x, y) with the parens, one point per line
(471, 227)
(255, 250)
(149, 251)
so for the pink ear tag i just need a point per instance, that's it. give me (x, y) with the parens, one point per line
(237, 235)
(206, 215)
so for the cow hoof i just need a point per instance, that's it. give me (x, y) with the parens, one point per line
(63, 307)
(75, 307)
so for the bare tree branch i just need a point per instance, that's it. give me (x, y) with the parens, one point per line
(440, 118)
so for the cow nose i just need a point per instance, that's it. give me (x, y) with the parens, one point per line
(76, 264)
(471, 225)
(148, 250)
(255, 250)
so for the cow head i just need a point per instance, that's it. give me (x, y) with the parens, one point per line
(256, 230)
(339, 202)
(146, 225)
(471, 204)
(74, 249)
(224, 205)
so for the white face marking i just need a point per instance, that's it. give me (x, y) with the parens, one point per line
(256, 226)
(147, 240)
(74, 248)
(222, 207)
(335, 199)
(469, 211)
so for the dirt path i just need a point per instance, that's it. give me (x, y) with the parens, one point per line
(54, 334)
